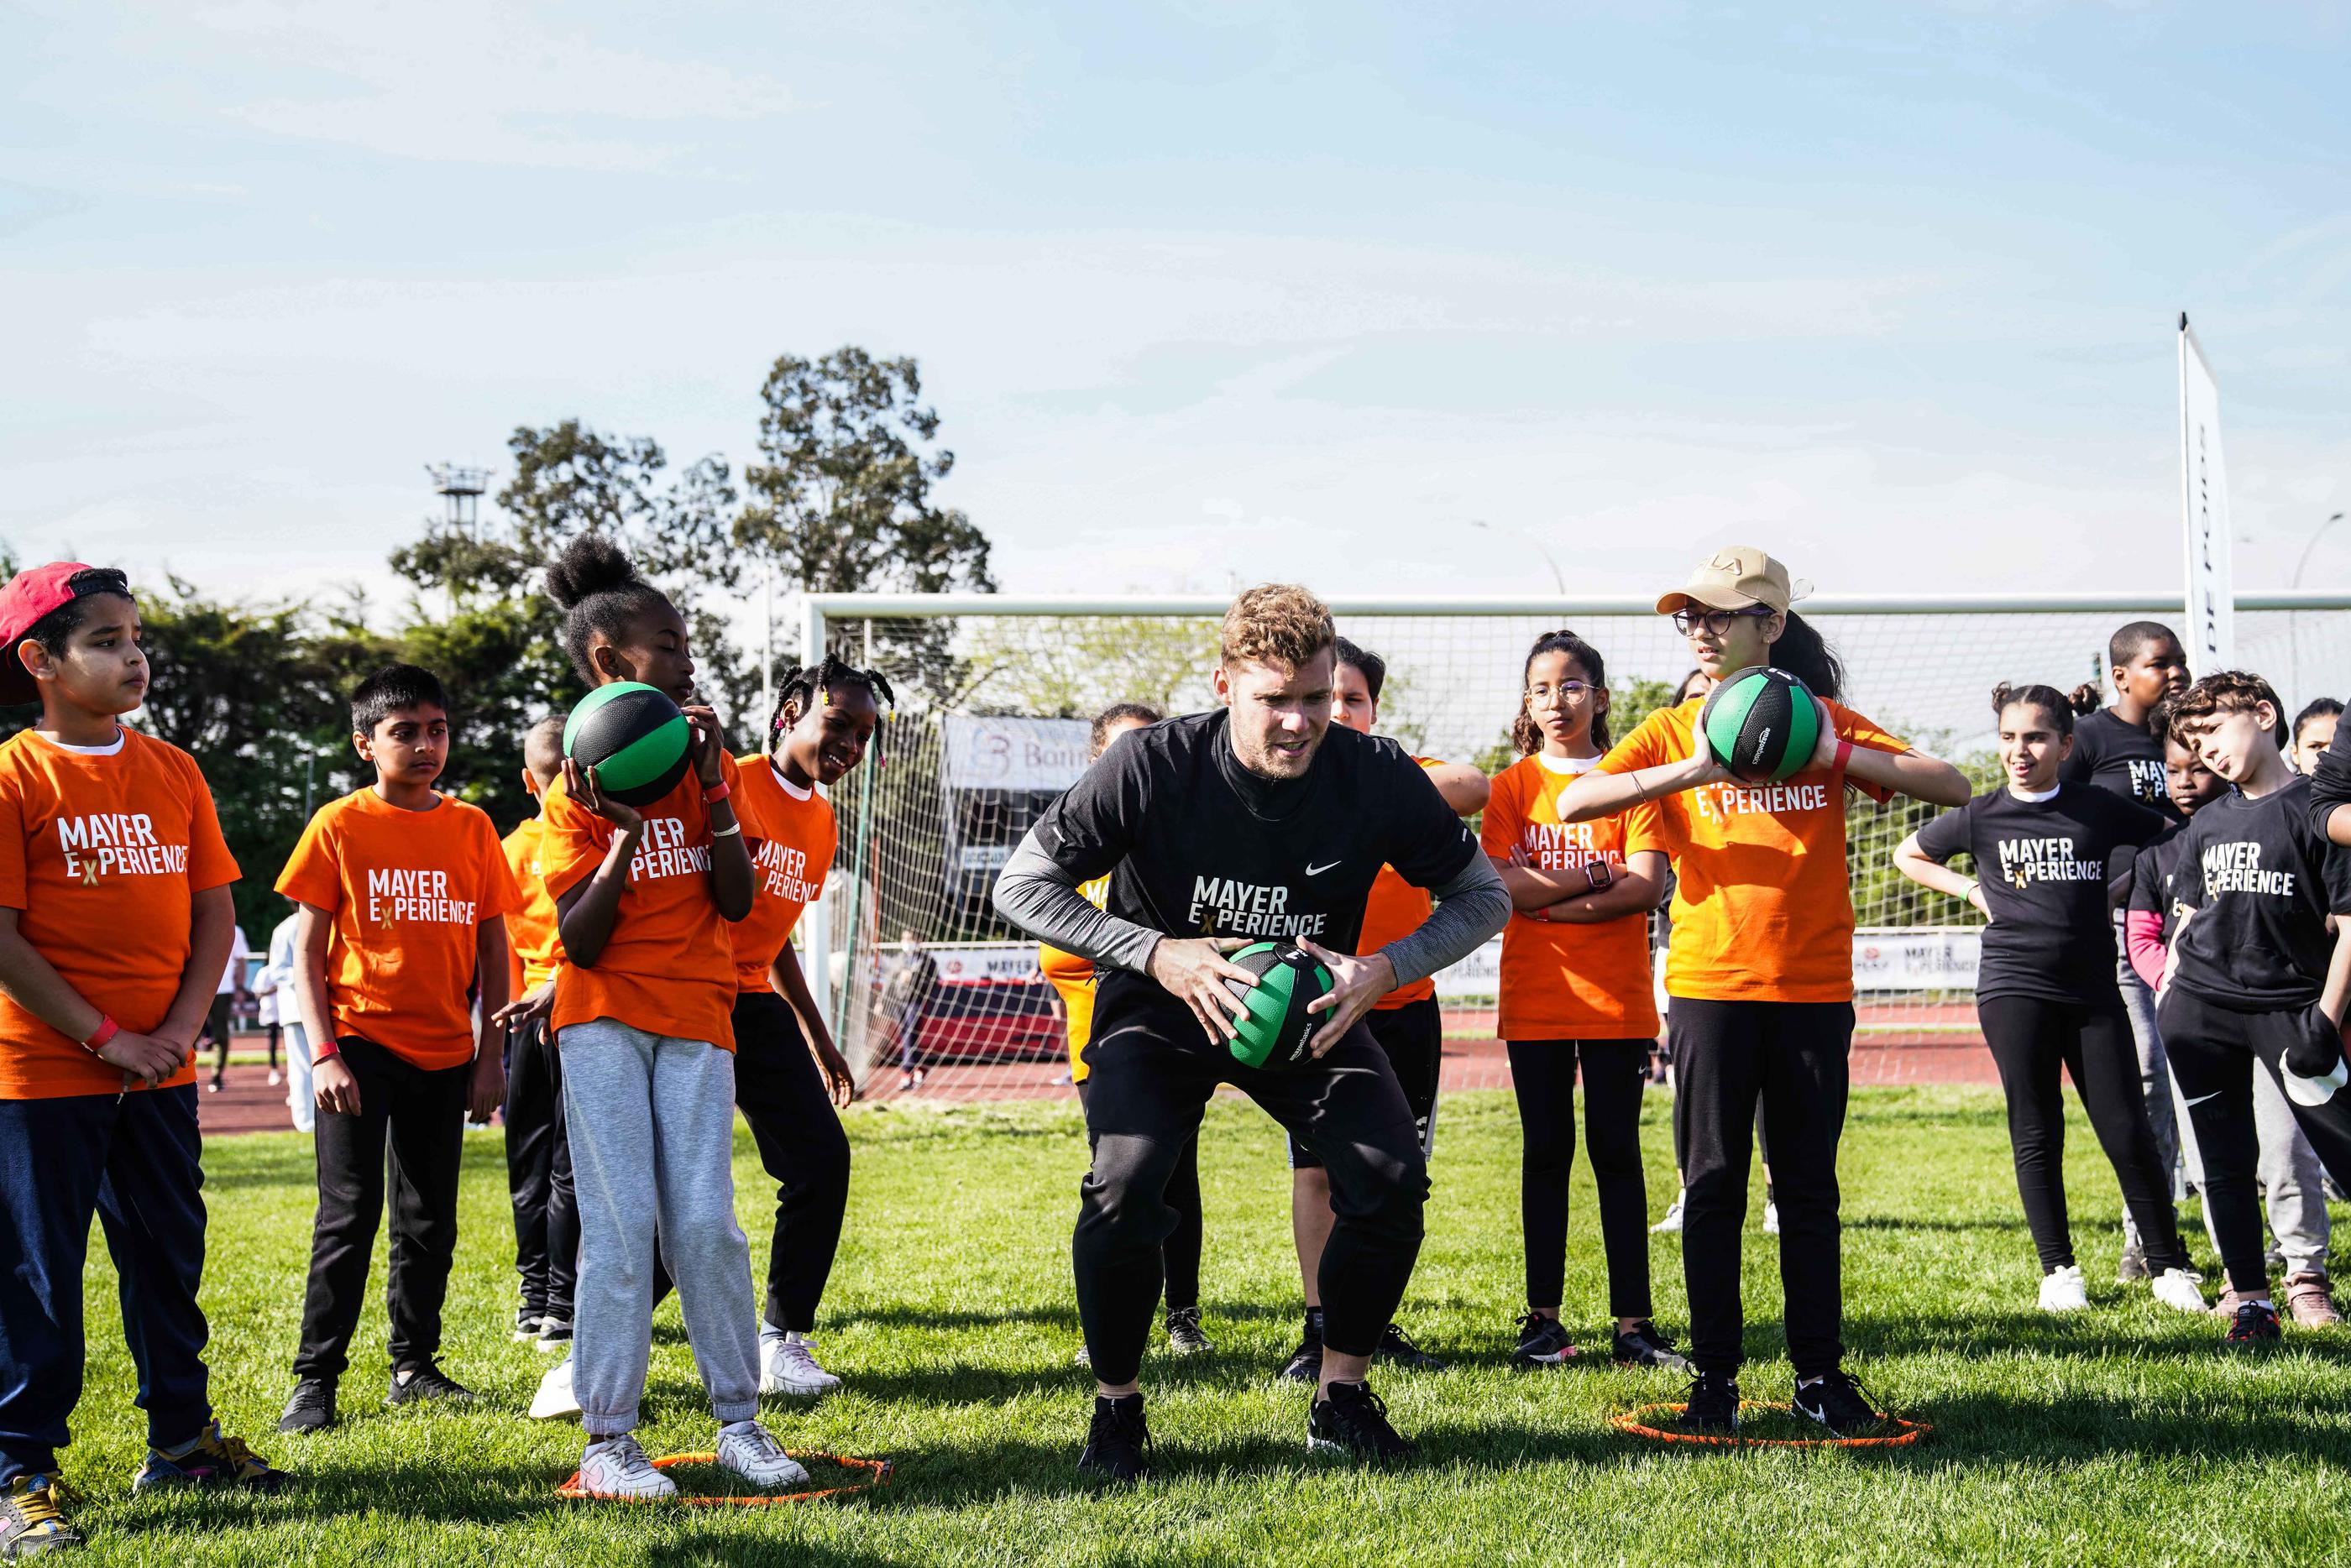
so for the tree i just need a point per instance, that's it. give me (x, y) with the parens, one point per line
(840, 500)
(496, 647)
(1072, 667)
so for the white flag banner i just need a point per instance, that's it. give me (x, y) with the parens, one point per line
(2204, 504)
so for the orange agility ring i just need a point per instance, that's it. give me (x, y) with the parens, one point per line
(1635, 1423)
(877, 1472)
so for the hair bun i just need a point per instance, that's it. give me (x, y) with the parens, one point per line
(590, 564)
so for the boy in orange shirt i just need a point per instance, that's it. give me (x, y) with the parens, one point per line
(538, 1157)
(114, 923)
(404, 894)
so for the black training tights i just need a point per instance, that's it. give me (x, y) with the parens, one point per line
(1543, 1073)
(1179, 1255)
(2030, 1038)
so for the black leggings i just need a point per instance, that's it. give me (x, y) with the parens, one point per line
(1179, 1255)
(2215, 1051)
(1791, 1057)
(2030, 1038)
(1543, 1073)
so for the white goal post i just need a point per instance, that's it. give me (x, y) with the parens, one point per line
(1921, 664)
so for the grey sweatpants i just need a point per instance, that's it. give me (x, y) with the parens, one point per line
(650, 1120)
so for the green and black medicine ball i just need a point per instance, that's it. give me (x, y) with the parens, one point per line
(635, 739)
(1762, 723)
(1274, 1035)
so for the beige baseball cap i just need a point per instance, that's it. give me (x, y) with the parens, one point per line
(1735, 577)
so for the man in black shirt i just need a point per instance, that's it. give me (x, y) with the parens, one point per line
(1260, 820)
(2254, 976)
(2117, 748)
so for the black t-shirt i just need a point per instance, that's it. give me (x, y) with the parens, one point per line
(2330, 780)
(2262, 885)
(1197, 846)
(2043, 866)
(2152, 876)
(2121, 757)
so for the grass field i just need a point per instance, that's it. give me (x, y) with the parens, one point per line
(2125, 1435)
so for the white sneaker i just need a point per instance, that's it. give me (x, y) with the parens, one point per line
(2177, 1288)
(788, 1365)
(276, 1077)
(1771, 1218)
(615, 1466)
(554, 1401)
(752, 1453)
(1672, 1223)
(2062, 1290)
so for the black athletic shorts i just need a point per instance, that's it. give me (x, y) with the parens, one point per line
(1413, 1036)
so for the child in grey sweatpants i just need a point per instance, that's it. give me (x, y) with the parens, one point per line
(644, 1020)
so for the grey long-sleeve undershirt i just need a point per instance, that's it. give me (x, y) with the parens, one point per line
(1037, 894)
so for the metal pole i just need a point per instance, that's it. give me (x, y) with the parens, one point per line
(817, 954)
(767, 639)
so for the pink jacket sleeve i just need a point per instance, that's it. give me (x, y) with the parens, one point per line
(2143, 931)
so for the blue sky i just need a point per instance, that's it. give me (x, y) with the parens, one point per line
(1202, 293)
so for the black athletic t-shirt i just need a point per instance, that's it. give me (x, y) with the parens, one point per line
(1197, 846)
(2043, 866)
(2120, 757)
(2262, 885)
(2151, 878)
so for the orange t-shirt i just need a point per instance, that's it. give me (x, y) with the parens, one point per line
(102, 857)
(531, 937)
(1562, 981)
(1395, 909)
(1074, 979)
(795, 850)
(1762, 903)
(668, 967)
(409, 891)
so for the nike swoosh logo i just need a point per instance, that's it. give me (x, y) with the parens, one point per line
(2201, 1098)
(1318, 871)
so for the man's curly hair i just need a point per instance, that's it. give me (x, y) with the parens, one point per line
(1275, 623)
(2221, 693)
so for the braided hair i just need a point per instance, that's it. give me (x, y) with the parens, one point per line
(808, 683)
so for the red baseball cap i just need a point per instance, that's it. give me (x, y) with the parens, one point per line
(32, 594)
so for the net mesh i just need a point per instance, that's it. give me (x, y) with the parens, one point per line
(933, 996)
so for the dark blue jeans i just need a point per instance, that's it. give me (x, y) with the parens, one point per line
(136, 1162)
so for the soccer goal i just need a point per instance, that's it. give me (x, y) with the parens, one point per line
(996, 693)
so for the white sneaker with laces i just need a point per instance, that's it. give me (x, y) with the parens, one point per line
(2177, 1288)
(554, 1401)
(615, 1466)
(788, 1365)
(1672, 1223)
(2062, 1290)
(1771, 1218)
(751, 1451)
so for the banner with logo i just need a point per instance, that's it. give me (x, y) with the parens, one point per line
(2204, 504)
(1014, 753)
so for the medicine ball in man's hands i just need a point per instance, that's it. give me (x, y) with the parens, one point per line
(1274, 1035)
(635, 739)
(1763, 724)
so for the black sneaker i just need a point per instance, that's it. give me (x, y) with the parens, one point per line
(31, 1516)
(1353, 1420)
(1542, 1342)
(424, 1385)
(554, 1335)
(1184, 1335)
(526, 1323)
(1838, 1403)
(1713, 1405)
(1397, 1351)
(1118, 1444)
(1305, 1364)
(311, 1408)
(1643, 1345)
(2256, 1323)
(2132, 1267)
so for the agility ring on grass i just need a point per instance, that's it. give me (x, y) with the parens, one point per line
(1634, 1423)
(877, 1474)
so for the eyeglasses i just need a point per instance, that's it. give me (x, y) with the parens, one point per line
(1565, 691)
(1717, 622)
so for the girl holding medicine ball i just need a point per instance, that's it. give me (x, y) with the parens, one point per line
(2045, 854)
(1761, 970)
(1575, 991)
(645, 898)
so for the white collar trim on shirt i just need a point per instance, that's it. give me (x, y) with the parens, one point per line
(1566, 764)
(798, 792)
(120, 735)
(2037, 796)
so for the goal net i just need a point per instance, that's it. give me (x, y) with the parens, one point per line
(921, 980)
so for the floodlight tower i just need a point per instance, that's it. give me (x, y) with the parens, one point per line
(461, 490)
